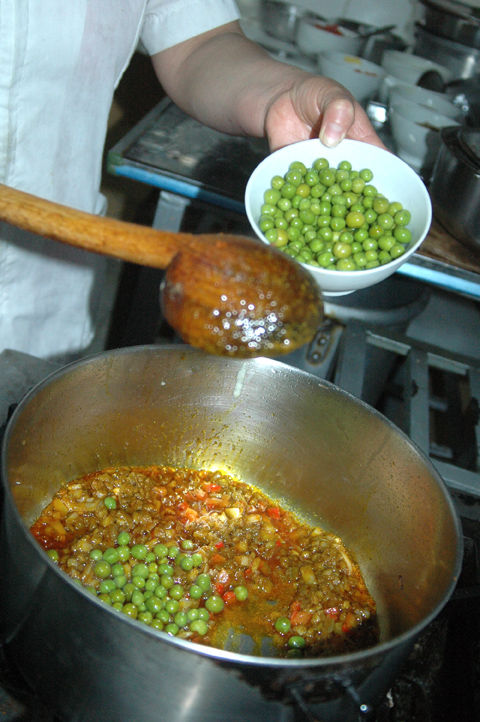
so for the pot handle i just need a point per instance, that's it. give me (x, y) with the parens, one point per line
(365, 711)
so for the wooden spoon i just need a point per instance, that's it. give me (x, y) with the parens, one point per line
(229, 295)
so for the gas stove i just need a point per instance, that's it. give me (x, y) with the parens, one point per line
(434, 397)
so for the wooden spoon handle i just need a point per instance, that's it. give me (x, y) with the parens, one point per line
(127, 241)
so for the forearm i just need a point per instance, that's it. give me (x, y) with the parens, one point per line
(225, 81)
(233, 85)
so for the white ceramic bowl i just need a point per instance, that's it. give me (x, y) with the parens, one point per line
(416, 132)
(361, 77)
(392, 177)
(311, 38)
(410, 68)
(439, 102)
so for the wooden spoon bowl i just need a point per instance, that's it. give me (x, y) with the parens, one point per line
(227, 294)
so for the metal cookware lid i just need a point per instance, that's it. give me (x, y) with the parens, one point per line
(458, 9)
(469, 140)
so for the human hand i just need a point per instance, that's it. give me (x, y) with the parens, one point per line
(317, 107)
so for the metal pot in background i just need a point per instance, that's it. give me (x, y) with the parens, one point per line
(452, 20)
(279, 19)
(455, 185)
(323, 452)
(463, 61)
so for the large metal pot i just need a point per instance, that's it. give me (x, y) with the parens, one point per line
(303, 440)
(455, 185)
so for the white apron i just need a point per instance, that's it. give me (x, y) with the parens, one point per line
(59, 65)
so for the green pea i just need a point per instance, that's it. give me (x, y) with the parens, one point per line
(111, 555)
(320, 163)
(180, 619)
(53, 554)
(139, 551)
(130, 610)
(106, 586)
(165, 569)
(203, 614)
(95, 554)
(117, 596)
(157, 624)
(272, 196)
(346, 264)
(195, 591)
(166, 581)
(360, 259)
(104, 598)
(154, 605)
(145, 617)
(120, 581)
(138, 582)
(397, 250)
(137, 598)
(123, 553)
(296, 642)
(186, 564)
(380, 205)
(192, 614)
(366, 175)
(176, 592)
(282, 625)
(240, 592)
(110, 502)
(173, 552)
(102, 569)
(214, 604)
(277, 182)
(123, 538)
(402, 234)
(355, 219)
(199, 626)
(160, 551)
(163, 615)
(140, 570)
(171, 605)
(172, 629)
(160, 591)
(402, 217)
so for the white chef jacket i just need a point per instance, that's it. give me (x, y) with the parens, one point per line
(59, 65)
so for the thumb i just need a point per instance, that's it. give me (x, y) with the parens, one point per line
(336, 122)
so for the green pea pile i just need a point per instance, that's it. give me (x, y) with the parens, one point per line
(156, 585)
(333, 218)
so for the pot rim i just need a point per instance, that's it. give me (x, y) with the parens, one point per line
(216, 654)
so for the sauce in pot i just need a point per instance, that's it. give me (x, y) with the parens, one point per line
(209, 558)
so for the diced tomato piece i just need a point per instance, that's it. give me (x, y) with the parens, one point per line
(211, 487)
(219, 545)
(229, 597)
(274, 512)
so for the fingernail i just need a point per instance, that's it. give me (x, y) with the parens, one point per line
(332, 134)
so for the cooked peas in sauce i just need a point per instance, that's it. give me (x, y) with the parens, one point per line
(333, 218)
(199, 554)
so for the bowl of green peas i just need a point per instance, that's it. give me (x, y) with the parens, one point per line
(352, 215)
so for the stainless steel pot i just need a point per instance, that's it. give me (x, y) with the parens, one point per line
(461, 60)
(279, 18)
(453, 20)
(455, 185)
(317, 448)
